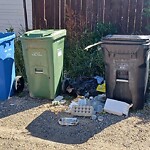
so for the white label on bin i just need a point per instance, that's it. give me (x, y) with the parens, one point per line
(59, 52)
(37, 54)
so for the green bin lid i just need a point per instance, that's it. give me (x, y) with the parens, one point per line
(39, 33)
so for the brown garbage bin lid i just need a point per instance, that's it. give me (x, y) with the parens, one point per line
(134, 38)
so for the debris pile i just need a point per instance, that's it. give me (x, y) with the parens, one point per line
(89, 100)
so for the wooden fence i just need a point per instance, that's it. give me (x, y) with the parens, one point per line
(127, 15)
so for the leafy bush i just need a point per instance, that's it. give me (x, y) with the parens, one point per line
(77, 61)
(146, 13)
(19, 62)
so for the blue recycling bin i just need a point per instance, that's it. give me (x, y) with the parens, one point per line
(7, 65)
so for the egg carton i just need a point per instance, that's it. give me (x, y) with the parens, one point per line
(79, 110)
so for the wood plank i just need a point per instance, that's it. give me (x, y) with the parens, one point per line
(124, 16)
(37, 7)
(59, 25)
(73, 5)
(119, 17)
(132, 16)
(113, 10)
(89, 14)
(67, 9)
(63, 6)
(42, 24)
(68, 2)
(49, 13)
(56, 14)
(107, 12)
(138, 21)
(100, 9)
(84, 10)
(81, 18)
(78, 6)
(116, 13)
(95, 14)
(145, 19)
(34, 13)
(92, 14)
(74, 16)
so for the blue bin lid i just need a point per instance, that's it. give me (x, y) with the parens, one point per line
(6, 37)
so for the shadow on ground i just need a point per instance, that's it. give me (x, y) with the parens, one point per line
(20, 103)
(46, 127)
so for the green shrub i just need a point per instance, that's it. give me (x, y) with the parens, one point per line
(79, 62)
(19, 62)
(146, 13)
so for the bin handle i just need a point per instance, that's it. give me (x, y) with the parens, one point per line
(38, 71)
(122, 80)
(95, 44)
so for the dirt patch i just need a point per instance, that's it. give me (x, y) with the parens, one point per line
(29, 123)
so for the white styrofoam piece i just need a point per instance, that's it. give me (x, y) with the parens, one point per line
(116, 107)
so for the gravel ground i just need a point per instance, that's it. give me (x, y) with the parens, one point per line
(32, 124)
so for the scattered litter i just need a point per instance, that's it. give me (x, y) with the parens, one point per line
(79, 110)
(12, 104)
(101, 88)
(54, 103)
(99, 79)
(102, 97)
(68, 121)
(117, 107)
(62, 102)
(83, 86)
(100, 118)
(97, 104)
(58, 98)
(80, 105)
(99, 108)
(73, 104)
(82, 101)
(93, 117)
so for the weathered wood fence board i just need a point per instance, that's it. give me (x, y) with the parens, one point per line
(127, 15)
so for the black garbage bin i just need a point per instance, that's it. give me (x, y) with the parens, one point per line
(126, 60)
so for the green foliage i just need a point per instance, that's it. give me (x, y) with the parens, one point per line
(79, 62)
(103, 29)
(10, 29)
(146, 13)
(19, 62)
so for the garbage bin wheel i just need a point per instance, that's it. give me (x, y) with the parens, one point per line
(18, 84)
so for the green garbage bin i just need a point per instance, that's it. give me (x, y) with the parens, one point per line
(43, 56)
